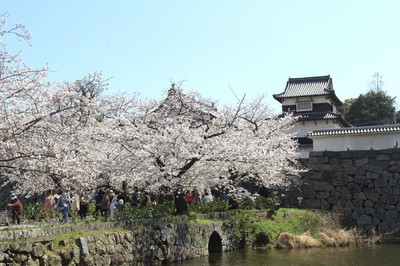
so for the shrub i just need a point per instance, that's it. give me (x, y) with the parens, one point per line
(240, 228)
(154, 211)
(210, 207)
(33, 212)
(91, 208)
(261, 203)
(246, 204)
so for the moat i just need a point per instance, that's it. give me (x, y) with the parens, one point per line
(386, 254)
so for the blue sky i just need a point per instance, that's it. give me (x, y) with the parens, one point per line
(216, 46)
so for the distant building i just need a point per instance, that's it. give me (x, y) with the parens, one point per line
(314, 102)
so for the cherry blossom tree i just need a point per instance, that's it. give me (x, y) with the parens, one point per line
(184, 141)
(71, 135)
(43, 125)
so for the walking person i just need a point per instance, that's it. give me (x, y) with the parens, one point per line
(75, 204)
(181, 203)
(121, 205)
(63, 205)
(105, 204)
(83, 208)
(191, 197)
(49, 201)
(135, 197)
(113, 202)
(48, 205)
(147, 202)
(97, 202)
(16, 208)
(207, 197)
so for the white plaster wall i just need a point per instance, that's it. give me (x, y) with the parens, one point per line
(301, 130)
(356, 142)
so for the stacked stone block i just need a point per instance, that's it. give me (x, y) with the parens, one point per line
(363, 185)
(142, 242)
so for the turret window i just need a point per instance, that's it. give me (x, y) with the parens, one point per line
(304, 106)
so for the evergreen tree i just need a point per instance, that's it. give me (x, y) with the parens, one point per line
(372, 108)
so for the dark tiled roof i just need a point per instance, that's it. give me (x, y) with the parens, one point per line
(355, 131)
(308, 86)
(316, 115)
(307, 116)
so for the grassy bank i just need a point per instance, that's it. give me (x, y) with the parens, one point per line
(292, 228)
(259, 228)
(254, 223)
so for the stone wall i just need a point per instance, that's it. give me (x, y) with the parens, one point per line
(363, 185)
(139, 243)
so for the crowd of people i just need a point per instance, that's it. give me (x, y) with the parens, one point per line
(107, 202)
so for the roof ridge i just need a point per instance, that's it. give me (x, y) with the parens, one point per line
(355, 130)
(315, 78)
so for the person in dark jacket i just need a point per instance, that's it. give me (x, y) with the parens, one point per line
(97, 202)
(180, 203)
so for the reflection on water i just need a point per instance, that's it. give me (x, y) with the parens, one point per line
(352, 256)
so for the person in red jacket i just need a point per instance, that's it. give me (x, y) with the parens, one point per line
(16, 208)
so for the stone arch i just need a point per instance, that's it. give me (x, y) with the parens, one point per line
(215, 243)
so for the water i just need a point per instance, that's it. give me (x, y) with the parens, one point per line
(380, 255)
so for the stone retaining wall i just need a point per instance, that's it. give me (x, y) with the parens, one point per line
(363, 185)
(139, 243)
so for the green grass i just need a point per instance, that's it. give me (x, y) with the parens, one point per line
(204, 221)
(295, 221)
(250, 224)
